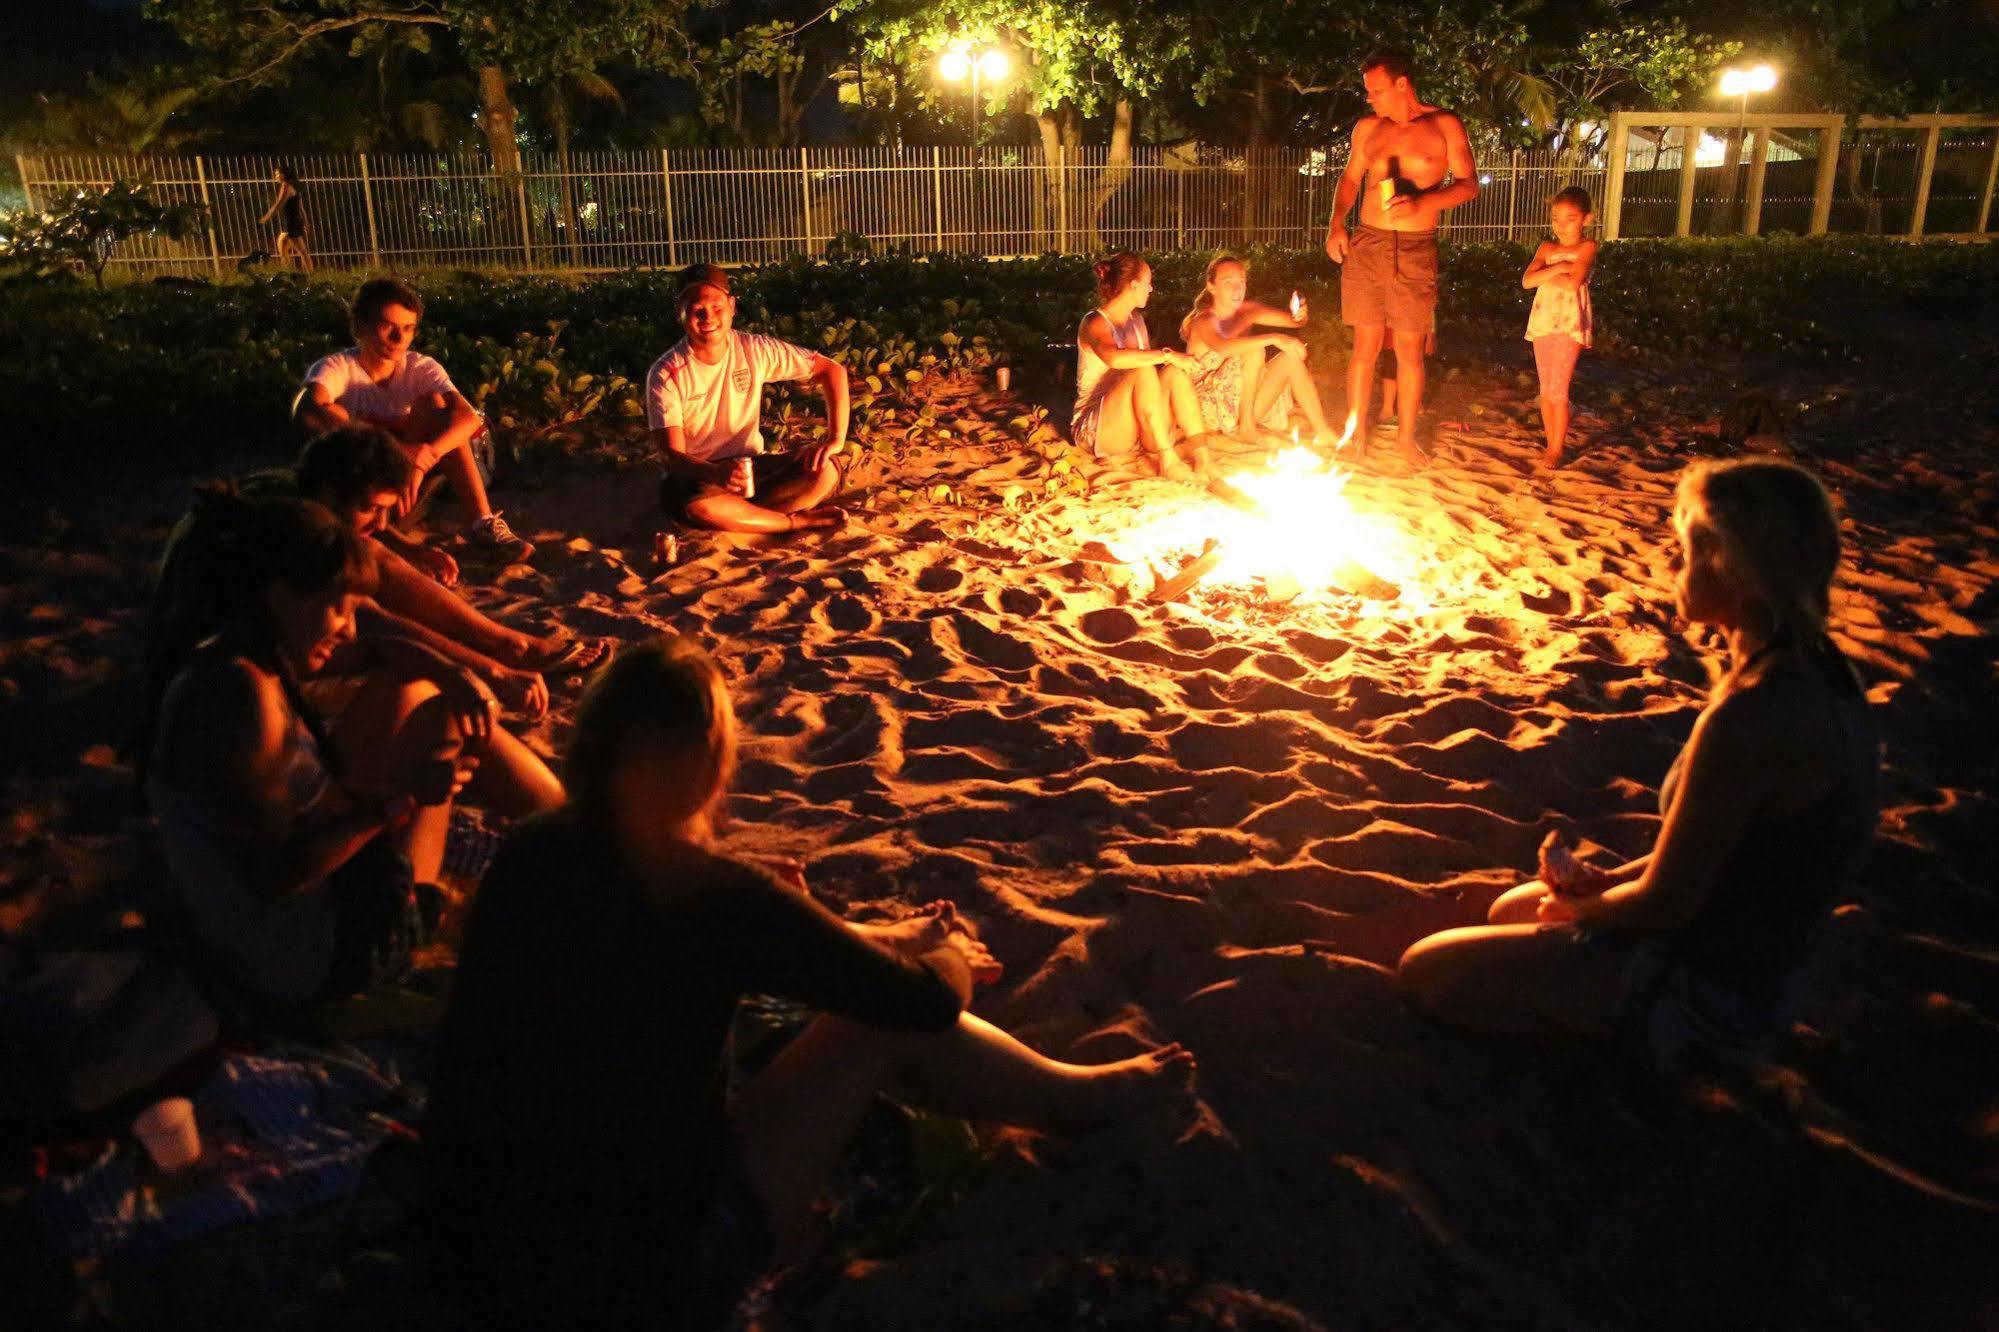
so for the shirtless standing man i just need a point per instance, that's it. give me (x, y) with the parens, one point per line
(1402, 155)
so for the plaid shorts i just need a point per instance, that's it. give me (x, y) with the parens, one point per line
(1390, 277)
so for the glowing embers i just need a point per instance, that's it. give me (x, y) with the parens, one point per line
(1295, 535)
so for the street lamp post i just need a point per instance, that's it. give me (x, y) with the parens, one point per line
(988, 65)
(1739, 84)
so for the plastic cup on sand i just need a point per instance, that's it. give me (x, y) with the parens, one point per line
(1003, 377)
(167, 1131)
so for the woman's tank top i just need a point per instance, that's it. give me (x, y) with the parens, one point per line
(280, 948)
(1090, 367)
(1785, 874)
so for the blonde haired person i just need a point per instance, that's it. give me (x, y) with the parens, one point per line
(1768, 812)
(592, 1163)
(1240, 381)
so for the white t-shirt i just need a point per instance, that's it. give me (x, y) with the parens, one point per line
(718, 407)
(414, 381)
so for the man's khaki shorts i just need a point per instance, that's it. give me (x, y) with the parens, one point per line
(1390, 278)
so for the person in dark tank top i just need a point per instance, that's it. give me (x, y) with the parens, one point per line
(591, 1164)
(1767, 814)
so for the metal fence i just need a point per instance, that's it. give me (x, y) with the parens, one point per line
(603, 210)
(1693, 174)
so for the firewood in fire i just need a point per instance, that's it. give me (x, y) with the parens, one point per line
(1364, 582)
(1192, 572)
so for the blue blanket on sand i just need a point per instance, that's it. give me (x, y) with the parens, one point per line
(278, 1136)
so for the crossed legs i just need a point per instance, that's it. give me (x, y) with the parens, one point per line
(793, 504)
(1515, 975)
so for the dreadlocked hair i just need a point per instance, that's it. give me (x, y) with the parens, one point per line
(220, 560)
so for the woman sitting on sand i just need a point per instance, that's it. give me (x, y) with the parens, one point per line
(589, 1158)
(1239, 383)
(294, 848)
(1130, 395)
(1768, 811)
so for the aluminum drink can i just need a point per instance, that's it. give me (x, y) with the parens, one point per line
(748, 476)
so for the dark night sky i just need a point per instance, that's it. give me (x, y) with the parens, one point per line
(50, 45)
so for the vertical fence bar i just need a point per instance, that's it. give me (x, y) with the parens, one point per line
(368, 209)
(1925, 174)
(1822, 186)
(1984, 198)
(1512, 191)
(666, 190)
(208, 217)
(1062, 192)
(1613, 185)
(937, 190)
(28, 190)
(1759, 163)
(805, 195)
(1690, 143)
(527, 219)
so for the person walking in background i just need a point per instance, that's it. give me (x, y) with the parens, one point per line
(289, 208)
(1561, 323)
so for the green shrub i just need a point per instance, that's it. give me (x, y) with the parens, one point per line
(207, 370)
(80, 230)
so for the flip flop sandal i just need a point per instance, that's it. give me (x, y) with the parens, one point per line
(575, 656)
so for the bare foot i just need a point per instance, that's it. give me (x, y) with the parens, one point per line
(1110, 1091)
(824, 518)
(1549, 460)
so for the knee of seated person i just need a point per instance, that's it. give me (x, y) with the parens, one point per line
(1424, 976)
(704, 512)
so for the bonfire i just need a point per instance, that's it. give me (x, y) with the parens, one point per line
(1294, 535)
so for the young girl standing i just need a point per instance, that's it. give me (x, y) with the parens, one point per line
(1560, 323)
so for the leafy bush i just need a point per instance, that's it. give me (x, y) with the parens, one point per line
(208, 370)
(83, 228)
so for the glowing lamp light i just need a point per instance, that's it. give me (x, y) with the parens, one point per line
(994, 66)
(955, 65)
(1743, 82)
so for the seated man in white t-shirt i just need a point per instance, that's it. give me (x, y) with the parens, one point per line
(380, 381)
(704, 405)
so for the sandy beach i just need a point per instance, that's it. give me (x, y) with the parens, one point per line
(1220, 820)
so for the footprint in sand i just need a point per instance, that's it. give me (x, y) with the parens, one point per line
(984, 643)
(847, 612)
(1019, 601)
(1260, 746)
(939, 578)
(1109, 624)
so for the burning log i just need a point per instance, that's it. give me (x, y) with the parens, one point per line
(1192, 572)
(1364, 582)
